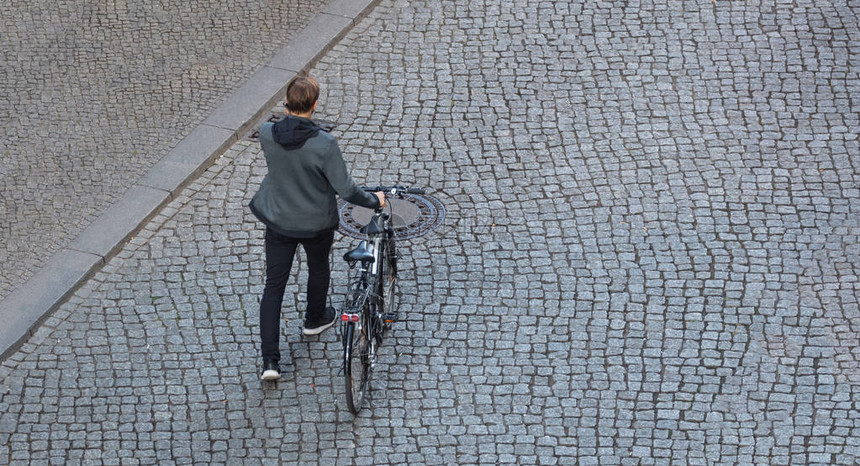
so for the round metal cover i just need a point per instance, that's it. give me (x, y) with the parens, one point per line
(412, 215)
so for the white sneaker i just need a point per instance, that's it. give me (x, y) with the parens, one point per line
(270, 371)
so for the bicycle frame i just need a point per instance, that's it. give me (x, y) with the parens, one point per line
(360, 289)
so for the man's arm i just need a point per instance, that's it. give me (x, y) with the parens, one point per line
(337, 174)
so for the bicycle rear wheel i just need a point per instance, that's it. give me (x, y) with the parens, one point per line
(358, 351)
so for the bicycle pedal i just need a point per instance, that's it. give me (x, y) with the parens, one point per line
(390, 317)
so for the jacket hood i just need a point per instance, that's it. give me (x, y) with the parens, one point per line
(292, 132)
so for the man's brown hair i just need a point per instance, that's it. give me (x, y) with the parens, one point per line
(302, 93)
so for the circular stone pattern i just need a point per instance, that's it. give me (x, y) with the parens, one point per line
(412, 215)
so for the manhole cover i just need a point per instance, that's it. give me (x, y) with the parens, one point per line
(412, 216)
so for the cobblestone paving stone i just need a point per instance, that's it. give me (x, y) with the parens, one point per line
(94, 93)
(650, 257)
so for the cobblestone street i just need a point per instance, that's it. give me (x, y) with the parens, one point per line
(94, 93)
(650, 256)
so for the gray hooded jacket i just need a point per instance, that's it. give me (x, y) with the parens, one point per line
(306, 171)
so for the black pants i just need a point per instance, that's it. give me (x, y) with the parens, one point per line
(280, 251)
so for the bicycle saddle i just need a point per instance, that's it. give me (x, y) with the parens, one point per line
(361, 253)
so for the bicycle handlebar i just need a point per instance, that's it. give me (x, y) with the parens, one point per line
(393, 189)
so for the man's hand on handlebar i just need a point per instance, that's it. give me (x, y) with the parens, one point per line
(380, 192)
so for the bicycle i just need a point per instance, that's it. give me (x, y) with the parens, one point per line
(370, 305)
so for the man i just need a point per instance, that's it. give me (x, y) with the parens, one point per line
(296, 201)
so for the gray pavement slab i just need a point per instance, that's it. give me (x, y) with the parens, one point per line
(189, 158)
(350, 9)
(21, 311)
(323, 31)
(108, 232)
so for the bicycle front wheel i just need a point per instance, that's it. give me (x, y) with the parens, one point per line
(388, 285)
(357, 353)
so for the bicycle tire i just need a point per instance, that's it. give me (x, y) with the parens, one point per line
(357, 356)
